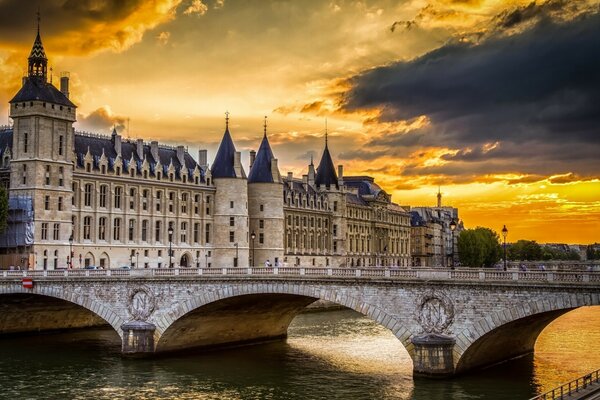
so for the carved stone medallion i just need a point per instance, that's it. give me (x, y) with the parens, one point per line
(435, 312)
(141, 303)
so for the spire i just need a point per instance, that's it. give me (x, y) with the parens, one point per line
(38, 62)
(114, 131)
(261, 167)
(439, 197)
(326, 171)
(223, 165)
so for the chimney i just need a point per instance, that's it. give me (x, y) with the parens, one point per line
(154, 150)
(252, 157)
(341, 175)
(140, 148)
(23, 80)
(237, 164)
(305, 181)
(181, 154)
(275, 171)
(202, 156)
(290, 176)
(311, 174)
(64, 83)
(117, 143)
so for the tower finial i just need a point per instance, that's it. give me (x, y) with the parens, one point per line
(439, 197)
(226, 120)
(265, 126)
(325, 132)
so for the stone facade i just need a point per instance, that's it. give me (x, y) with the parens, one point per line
(110, 202)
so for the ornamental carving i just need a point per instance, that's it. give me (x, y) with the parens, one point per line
(435, 312)
(141, 303)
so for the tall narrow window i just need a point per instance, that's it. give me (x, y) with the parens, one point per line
(60, 145)
(118, 193)
(157, 231)
(25, 142)
(87, 194)
(61, 176)
(44, 231)
(183, 232)
(87, 226)
(103, 195)
(102, 228)
(196, 232)
(24, 174)
(46, 202)
(131, 229)
(56, 234)
(117, 229)
(47, 176)
(60, 203)
(144, 230)
(131, 198)
(207, 233)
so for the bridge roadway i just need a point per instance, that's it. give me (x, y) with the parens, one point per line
(450, 321)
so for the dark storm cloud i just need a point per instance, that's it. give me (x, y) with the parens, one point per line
(536, 90)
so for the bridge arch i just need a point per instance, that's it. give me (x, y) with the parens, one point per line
(303, 294)
(512, 332)
(97, 309)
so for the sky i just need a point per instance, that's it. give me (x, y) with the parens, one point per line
(497, 103)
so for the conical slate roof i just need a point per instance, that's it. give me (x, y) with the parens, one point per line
(37, 89)
(326, 171)
(37, 51)
(261, 168)
(223, 165)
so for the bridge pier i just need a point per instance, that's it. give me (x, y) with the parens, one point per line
(138, 339)
(433, 357)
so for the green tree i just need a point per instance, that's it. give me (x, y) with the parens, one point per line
(528, 250)
(3, 208)
(479, 247)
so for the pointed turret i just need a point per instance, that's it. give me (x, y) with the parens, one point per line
(261, 170)
(224, 165)
(326, 171)
(38, 62)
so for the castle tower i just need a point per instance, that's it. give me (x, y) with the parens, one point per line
(326, 181)
(231, 235)
(265, 206)
(42, 164)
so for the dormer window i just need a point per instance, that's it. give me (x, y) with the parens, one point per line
(88, 167)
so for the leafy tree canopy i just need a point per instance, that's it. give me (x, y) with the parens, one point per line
(479, 247)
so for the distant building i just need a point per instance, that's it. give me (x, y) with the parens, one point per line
(433, 244)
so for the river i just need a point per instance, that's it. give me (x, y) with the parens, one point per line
(328, 355)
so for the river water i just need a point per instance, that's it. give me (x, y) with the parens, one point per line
(328, 355)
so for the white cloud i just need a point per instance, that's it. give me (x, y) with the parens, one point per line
(197, 7)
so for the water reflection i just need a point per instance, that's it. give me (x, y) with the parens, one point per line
(334, 355)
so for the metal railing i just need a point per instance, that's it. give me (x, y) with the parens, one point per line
(568, 389)
(469, 275)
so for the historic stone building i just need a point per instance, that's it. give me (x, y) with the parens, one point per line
(80, 199)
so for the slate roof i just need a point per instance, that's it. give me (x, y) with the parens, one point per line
(98, 145)
(352, 198)
(326, 171)
(365, 184)
(36, 88)
(261, 168)
(223, 165)
(298, 186)
(416, 219)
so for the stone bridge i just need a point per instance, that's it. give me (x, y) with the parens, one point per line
(450, 321)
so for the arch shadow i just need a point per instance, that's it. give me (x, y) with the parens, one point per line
(512, 332)
(47, 309)
(253, 313)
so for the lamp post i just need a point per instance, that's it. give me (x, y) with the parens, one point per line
(452, 228)
(235, 264)
(252, 236)
(170, 247)
(504, 234)
(71, 251)
(137, 259)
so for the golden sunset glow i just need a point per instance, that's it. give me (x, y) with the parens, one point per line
(169, 69)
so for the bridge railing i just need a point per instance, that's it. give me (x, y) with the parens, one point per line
(569, 388)
(573, 277)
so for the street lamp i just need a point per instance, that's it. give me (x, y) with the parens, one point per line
(71, 251)
(235, 264)
(452, 228)
(137, 259)
(252, 236)
(170, 246)
(504, 234)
